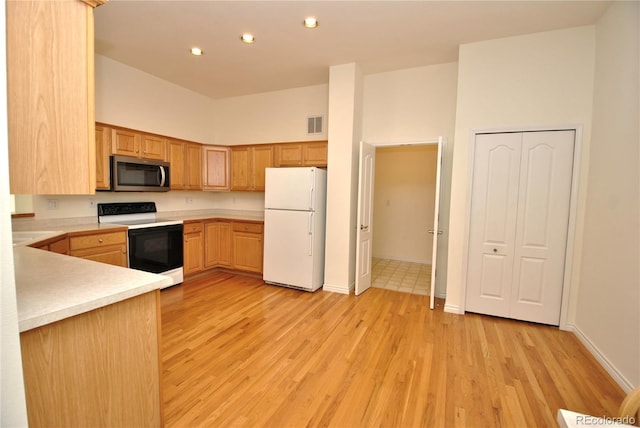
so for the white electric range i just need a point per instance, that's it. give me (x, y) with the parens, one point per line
(154, 244)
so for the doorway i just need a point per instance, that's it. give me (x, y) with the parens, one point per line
(405, 194)
(404, 199)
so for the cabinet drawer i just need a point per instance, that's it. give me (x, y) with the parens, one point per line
(97, 240)
(192, 228)
(247, 227)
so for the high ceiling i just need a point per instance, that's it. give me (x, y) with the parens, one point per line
(156, 36)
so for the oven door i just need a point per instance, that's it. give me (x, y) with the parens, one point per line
(156, 249)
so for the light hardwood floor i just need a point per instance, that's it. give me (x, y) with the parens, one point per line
(237, 352)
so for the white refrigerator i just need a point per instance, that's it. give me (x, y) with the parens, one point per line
(294, 225)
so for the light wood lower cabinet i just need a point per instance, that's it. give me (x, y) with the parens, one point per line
(100, 246)
(247, 246)
(100, 368)
(219, 243)
(217, 247)
(58, 245)
(193, 247)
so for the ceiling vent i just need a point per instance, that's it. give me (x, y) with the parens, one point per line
(315, 124)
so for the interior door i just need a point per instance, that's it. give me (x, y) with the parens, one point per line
(542, 227)
(519, 224)
(494, 201)
(364, 248)
(436, 226)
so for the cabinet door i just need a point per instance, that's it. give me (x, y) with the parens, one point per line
(50, 110)
(215, 168)
(289, 154)
(193, 166)
(176, 164)
(224, 244)
(247, 252)
(315, 153)
(193, 248)
(103, 151)
(240, 168)
(211, 244)
(154, 147)
(262, 158)
(111, 254)
(125, 143)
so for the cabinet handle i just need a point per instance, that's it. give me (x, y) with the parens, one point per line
(100, 240)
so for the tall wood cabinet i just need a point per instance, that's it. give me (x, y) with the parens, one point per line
(50, 82)
(248, 165)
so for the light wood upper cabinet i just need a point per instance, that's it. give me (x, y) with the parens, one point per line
(215, 168)
(185, 165)
(153, 147)
(103, 151)
(176, 164)
(248, 165)
(193, 166)
(50, 82)
(308, 153)
(126, 142)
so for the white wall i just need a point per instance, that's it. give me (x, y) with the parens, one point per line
(608, 307)
(270, 117)
(404, 197)
(410, 105)
(134, 99)
(543, 79)
(13, 409)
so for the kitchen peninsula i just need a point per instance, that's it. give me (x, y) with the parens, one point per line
(90, 336)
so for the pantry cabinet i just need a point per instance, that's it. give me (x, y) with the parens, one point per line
(50, 107)
(309, 153)
(247, 246)
(215, 168)
(101, 246)
(248, 165)
(193, 247)
(217, 248)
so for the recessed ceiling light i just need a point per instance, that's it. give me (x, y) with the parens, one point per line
(247, 38)
(310, 22)
(196, 51)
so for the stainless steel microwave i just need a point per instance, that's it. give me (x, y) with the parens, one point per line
(139, 175)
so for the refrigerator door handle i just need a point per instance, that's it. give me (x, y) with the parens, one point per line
(311, 189)
(310, 234)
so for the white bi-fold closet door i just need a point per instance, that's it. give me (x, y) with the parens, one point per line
(519, 223)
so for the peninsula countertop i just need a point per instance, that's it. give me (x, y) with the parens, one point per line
(51, 287)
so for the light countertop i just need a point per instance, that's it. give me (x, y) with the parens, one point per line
(51, 287)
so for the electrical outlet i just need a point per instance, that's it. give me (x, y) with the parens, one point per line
(52, 204)
(92, 203)
(188, 200)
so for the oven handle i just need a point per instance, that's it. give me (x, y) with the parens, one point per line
(162, 176)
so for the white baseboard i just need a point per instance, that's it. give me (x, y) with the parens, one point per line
(604, 361)
(335, 288)
(452, 309)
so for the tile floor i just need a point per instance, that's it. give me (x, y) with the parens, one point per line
(407, 277)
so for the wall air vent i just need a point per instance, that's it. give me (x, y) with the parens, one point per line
(315, 124)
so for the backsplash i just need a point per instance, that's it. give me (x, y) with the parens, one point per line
(62, 206)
